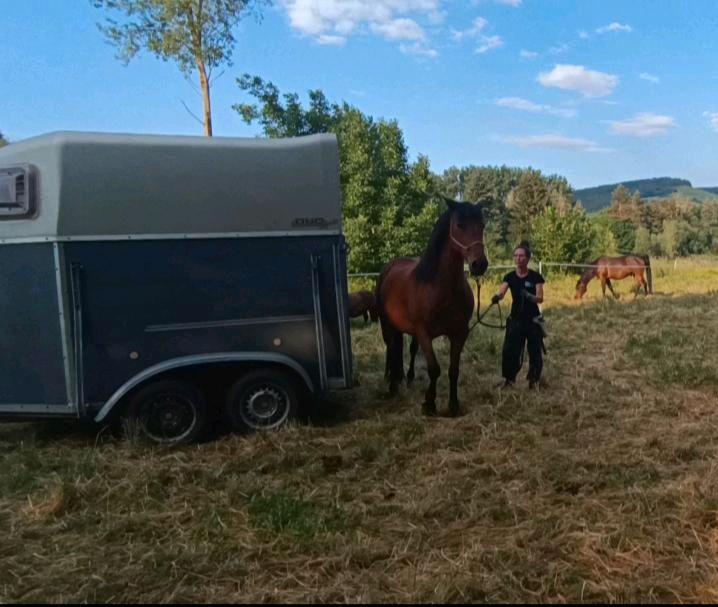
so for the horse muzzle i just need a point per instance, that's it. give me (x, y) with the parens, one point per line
(478, 267)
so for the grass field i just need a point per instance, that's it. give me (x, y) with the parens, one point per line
(600, 487)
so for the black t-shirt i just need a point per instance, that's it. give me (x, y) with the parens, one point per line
(522, 308)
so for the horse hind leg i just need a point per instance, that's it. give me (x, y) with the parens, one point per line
(396, 363)
(637, 285)
(413, 349)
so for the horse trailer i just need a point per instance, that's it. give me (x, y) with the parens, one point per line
(171, 279)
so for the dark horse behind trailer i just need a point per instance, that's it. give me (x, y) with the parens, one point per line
(170, 279)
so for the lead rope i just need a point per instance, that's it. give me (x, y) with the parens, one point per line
(479, 317)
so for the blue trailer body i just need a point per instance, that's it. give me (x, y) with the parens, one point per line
(103, 289)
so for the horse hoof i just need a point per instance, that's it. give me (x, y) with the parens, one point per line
(429, 409)
(456, 411)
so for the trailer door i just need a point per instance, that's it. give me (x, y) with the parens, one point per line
(34, 364)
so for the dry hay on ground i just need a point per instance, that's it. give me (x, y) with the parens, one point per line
(601, 487)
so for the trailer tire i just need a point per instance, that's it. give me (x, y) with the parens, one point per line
(168, 412)
(262, 399)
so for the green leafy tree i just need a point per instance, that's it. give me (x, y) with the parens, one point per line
(709, 214)
(642, 243)
(563, 237)
(626, 206)
(670, 238)
(528, 200)
(195, 34)
(625, 234)
(3, 141)
(603, 239)
(387, 201)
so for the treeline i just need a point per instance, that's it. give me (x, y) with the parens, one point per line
(595, 199)
(390, 204)
(669, 226)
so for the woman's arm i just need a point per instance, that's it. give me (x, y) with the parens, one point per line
(500, 293)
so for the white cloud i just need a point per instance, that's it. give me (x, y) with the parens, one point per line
(614, 27)
(329, 20)
(713, 119)
(577, 78)
(399, 29)
(644, 124)
(583, 34)
(437, 17)
(560, 142)
(489, 43)
(650, 77)
(477, 26)
(560, 49)
(331, 40)
(418, 48)
(525, 105)
(528, 54)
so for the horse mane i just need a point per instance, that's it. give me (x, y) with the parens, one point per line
(428, 266)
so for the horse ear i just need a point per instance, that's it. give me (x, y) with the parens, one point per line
(451, 203)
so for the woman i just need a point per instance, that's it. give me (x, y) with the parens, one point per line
(524, 323)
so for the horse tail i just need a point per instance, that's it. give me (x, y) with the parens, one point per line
(649, 274)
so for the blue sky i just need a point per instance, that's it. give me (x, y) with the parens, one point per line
(598, 91)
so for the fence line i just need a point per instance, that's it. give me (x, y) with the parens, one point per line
(541, 265)
(369, 274)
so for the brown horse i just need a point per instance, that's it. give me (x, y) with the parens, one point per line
(429, 296)
(363, 303)
(607, 268)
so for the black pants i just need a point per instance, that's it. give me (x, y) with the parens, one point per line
(519, 333)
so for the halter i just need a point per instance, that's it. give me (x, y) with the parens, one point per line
(463, 247)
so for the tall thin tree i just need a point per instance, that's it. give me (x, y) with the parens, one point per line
(195, 34)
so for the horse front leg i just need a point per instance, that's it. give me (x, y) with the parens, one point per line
(603, 286)
(457, 346)
(413, 349)
(433, 369)
(610, 286)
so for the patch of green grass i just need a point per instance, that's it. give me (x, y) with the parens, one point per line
(282, 513)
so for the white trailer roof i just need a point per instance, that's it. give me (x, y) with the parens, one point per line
(114, 185)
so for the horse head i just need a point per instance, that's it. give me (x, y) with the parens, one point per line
(466, 232)
(580, 289)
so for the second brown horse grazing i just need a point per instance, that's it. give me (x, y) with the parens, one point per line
(363, 303)
(429, 296)
(607, 268)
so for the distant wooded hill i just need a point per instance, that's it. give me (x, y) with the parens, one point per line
(595, 199)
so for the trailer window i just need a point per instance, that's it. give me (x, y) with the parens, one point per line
(16, 192)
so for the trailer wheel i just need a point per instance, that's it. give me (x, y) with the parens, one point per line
(262, 399)
(169, 412)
